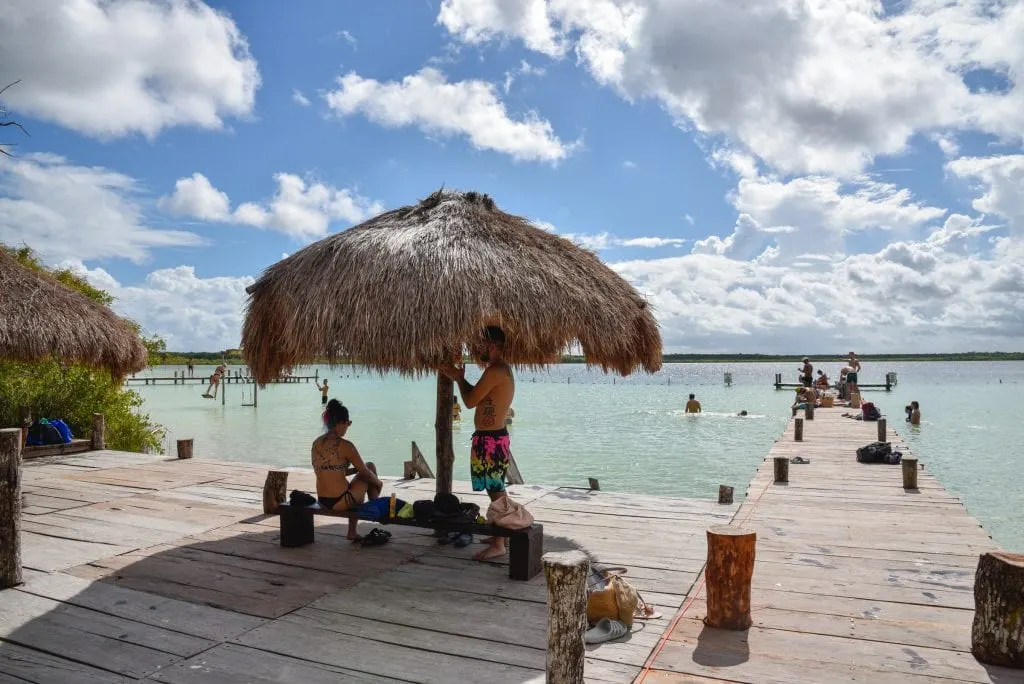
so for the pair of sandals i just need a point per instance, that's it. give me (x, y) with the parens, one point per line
(376, 537)
(459, 540)
(800, 460)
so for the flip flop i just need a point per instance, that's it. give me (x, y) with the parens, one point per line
(463, 540)
(448, 538)
(605, 630)
(376, 537)
(800, 460)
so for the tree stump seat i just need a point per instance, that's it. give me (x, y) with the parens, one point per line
(526, 546)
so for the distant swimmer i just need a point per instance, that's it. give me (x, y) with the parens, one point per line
(693, 406)
(742, 413)
(324, 389)
(914, 413)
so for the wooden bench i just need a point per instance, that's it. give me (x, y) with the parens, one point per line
(526, 546)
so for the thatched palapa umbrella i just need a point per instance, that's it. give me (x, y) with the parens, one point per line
(41, 318)
(408, 290)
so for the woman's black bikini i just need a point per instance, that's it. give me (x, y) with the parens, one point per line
(331, 501)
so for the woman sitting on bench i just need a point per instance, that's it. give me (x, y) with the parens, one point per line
(334, 458)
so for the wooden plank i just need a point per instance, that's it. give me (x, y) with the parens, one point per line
(180, 616)
(233, 664)
(20, 664)
(373, 657)
(102, 641)
(49, 554)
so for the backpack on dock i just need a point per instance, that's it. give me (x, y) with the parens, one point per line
(876, 452)
(870, 411)
(41, 433)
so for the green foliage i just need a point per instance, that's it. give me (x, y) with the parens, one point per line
(72, 392)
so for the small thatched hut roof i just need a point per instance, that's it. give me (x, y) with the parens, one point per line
(40, 318)
(406, 290)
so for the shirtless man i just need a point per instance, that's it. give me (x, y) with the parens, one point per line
(693, 406)
(853, 363)
(491, 397)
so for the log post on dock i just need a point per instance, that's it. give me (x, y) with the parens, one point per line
(798, 430)
(781, 469)
(809, 410)
(25, 421)
(99, 432)
(909, 466)
(727, 576)
(725, 494)
(10, 507)
(997, 634)
(185, 448)
(566, 575)
(881, 429)
(275, 490)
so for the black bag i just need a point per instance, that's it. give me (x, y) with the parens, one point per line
(876, 452)
(870, 411)
(43, 434)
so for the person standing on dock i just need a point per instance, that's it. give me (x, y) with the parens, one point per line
(807, 373)
(853, 363)
(191, 368)
(323, 391)
(693, 406)
(490, 454)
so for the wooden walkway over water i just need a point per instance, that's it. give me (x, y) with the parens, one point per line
(856, 580)
(142, 568)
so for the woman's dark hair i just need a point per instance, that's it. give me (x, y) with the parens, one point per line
(335, 414)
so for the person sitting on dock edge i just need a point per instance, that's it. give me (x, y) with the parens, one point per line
(822, 381)
(693, 406)
(334, 459)
(491, 397)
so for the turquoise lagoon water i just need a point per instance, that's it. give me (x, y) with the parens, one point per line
(631, 433)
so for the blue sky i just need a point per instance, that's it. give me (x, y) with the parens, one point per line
(776, 177)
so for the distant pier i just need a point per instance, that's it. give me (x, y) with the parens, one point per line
(890, 382)
(205, 379)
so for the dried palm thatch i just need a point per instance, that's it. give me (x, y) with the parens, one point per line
(40, 318)
(406, 290)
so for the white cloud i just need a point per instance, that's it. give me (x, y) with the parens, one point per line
(195, 196)
(465, 108)
(190, 313)
(299, 98)
(629, 165)
(299, 208)
(1001, 181)
(349, 38)
(689, 219)
(304, 209)
(110, 69)
(524, 69)
(816, 86)
(84, 212)
(604, 241)
(813, 215)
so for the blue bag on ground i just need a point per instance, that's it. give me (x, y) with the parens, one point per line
(41, 433)
(63, 429)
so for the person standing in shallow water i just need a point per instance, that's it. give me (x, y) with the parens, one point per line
(491, 398)
(324, 389)
(693, 406)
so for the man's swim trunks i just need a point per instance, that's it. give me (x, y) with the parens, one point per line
(852, 377)
(489, 460)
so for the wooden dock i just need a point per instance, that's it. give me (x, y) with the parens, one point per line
(856, 579)
(141, 568)
(205, 379)
(144, 568)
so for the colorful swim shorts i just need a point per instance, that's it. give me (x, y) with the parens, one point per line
(489, 460)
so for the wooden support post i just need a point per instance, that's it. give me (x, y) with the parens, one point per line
(99, 430)
(419, 463)
(25, 421)
(909, 473)
(255, 394)
(275, 490)
(566, 575)
(595, 486)
(408, 471)
(724, 494)
(997, 634)
(781, 469)
(185, 448)
(881, 429)
(727, 576)
(10, 507)
(798, 430)
(809, 410)
(443, 450)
